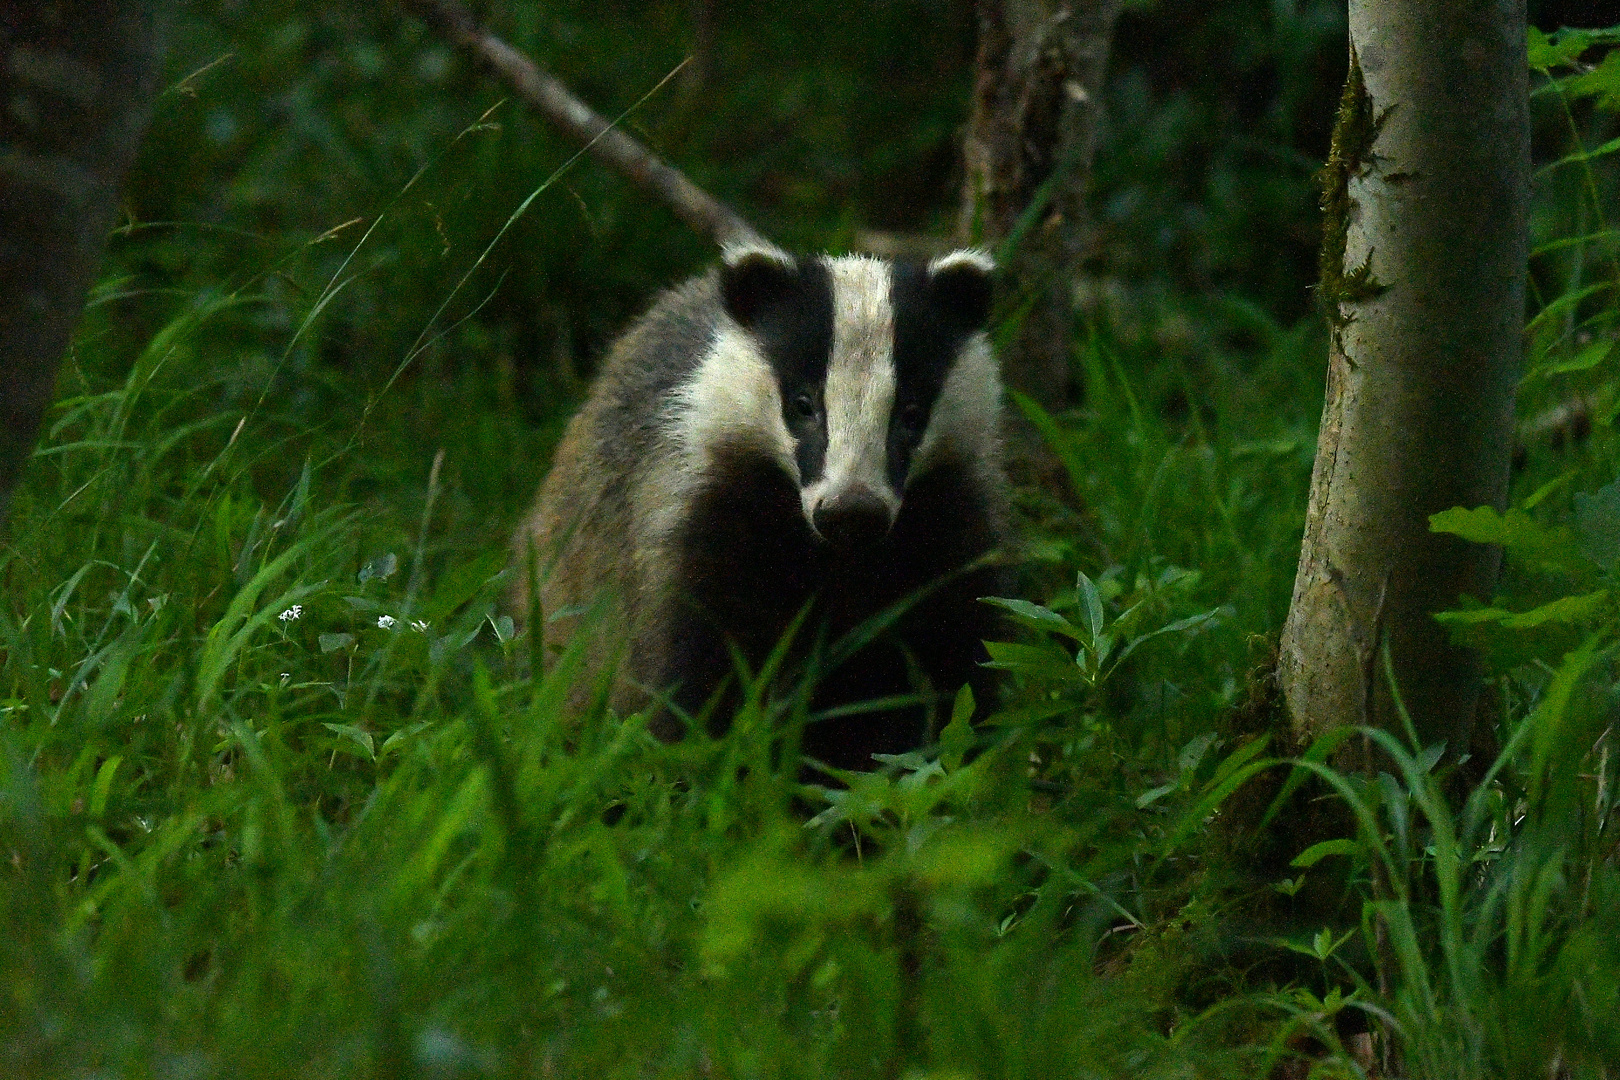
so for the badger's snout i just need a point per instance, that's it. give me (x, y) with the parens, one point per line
(854, 517)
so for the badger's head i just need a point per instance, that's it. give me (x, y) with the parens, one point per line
(855, 375)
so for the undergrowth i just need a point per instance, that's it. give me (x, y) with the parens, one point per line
(283, 792)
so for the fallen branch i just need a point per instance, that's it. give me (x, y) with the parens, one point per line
(610, 145)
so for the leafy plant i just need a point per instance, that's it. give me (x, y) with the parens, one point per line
(1103, 644)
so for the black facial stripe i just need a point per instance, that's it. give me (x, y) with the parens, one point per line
(926, 341)
(811, 451)
(795, 332)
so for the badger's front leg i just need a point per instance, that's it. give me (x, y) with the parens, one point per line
(698, 675)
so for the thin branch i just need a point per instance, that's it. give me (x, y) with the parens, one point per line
(619, 151)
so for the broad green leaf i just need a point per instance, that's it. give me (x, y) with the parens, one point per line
(1090, 601)
(358, 735)
(1556, 50)
(1324, 947)
(1601, 82)
(1029, 715)
(764, 893)
(957, 737)
(1294, 946)
(1179, 626)
(1177, 578)
(1516, 530)
(1041, 661)
(1125, 621)
(1035, 616)
(404, 733)
(1589, 357)
(1566, 609)
(1473, 616)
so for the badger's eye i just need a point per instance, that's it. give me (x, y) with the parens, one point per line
(912, 418)
(802, 407)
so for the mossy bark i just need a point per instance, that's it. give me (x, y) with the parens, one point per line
(1423, 278)
(1037, 108)
(76, 84)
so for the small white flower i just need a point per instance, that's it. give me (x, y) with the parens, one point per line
(291, 613)
(420, 626)
(385, 622)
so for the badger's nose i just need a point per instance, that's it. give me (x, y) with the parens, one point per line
(854, 517)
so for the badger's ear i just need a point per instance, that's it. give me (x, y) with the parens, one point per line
(959, 287)
(754, 277)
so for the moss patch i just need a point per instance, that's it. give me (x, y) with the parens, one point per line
(1354, 133)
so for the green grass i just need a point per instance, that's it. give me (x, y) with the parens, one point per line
(282, 794)
(364, 839)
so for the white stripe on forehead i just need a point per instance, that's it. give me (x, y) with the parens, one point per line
(859, 391)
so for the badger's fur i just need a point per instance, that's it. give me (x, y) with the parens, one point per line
(784, 432)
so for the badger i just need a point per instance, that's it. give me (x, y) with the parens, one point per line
(788, 438)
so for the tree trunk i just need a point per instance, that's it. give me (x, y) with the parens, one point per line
(1423, 275)
(77, 79)
(1037, 105)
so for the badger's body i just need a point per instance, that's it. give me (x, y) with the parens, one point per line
(783, 433)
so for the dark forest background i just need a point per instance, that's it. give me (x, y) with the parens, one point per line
(819, 122)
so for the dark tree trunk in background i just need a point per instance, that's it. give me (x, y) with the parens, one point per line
(1037, 104)
(76, 85)
(1423, 278)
